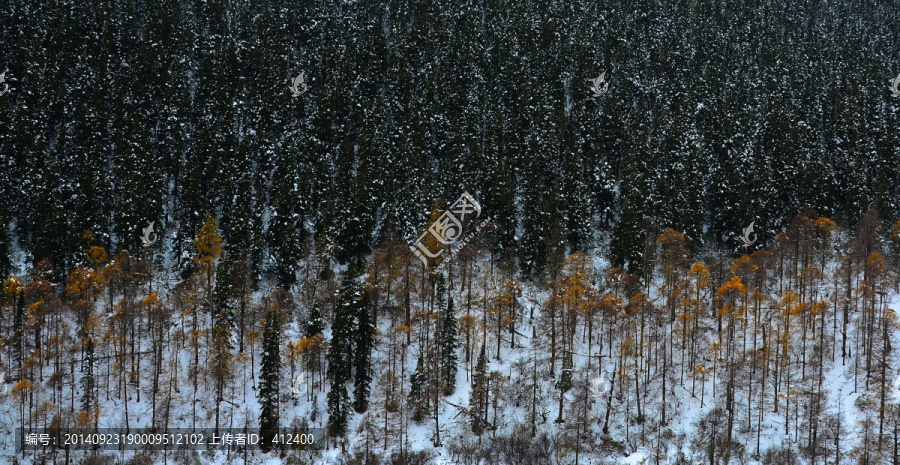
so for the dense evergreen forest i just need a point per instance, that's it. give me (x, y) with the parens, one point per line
(609, 312)
(121, 113)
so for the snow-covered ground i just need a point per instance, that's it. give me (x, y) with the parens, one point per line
(628, 442)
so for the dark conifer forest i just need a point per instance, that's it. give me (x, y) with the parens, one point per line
(481, 232)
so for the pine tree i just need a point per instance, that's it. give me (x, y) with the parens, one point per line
(356, 203)
(269, 378)
(626, 245)
(222, 332)
(340, 354)
(449, 346)
(5, 249)
(500, 200)
(440, 294)
(417, 391)
(87, 378)
(241, 223)
(478, 400)
(18, 339)
(315, 324)
(224, 296)
(338, 402)
(538, 209)
(285, 232)
(565, 381)
(576, 198)
(365, 343)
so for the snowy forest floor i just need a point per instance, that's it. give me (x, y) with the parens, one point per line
(749, 371)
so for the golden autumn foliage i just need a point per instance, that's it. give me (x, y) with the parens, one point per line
(818, 308)
(876, 265)
(84, 419)
(825, 226)
(790, 303)
(97, 255)
(84, 283)
(574, 287)
(22, 386)
(312, 343)
(12, 287)
(638, 303)
(733, 286)
(34, 310)
(467, 321)
(700, 372)
(93, 324)
(628, 346)
(743, 267)
(150, 300)
(610, 304)
(700, 275)
(208, 243)
(753, 327)
(674, 252)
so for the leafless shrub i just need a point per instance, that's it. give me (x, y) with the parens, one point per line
(410, 458)
(779, 456)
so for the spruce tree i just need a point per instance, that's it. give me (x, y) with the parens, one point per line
(417, 391)
(269, 376)
(5, 249)
(500, 200)
(87, 378)
(285, 232)
(576, 198)
(338, 402)
(340, 354)
(355, 202)
(440, 294)
(625, 248)
(223, 301)
(532, 249)
(478, 399)
(315, 324)
(565, 381)
(18, 339)
(449, 346)
(362, 361)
